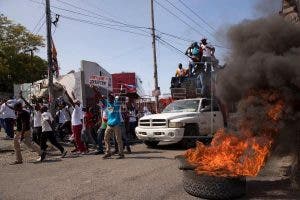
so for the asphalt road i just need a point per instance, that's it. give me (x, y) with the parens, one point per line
(144, 174)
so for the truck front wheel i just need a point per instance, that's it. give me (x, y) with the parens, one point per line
(190, 137)
(151, 144)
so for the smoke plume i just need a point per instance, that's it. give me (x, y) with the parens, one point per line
(263, 76)
(265, 54)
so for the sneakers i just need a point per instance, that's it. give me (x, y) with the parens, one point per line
(63, 154)
(106, 156)
(43, 156)
(16, 163)
(120, 157)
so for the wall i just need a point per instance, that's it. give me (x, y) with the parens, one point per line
(88, 69)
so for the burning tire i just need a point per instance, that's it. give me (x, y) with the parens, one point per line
(212, 187)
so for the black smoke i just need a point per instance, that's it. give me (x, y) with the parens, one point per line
(265, 56)
(265, 53)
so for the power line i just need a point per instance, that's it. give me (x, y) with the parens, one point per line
(38, 23)
(172, 46)
(174, 36)
(197, 15)
(107, 18)
(190, 18)
(178, 18)
(40, 27)
(103, 26)
(95, 17)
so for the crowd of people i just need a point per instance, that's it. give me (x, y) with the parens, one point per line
(111, 122)
(202, 63)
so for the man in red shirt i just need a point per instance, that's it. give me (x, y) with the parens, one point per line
(88, 125)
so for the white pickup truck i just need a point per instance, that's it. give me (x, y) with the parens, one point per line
(183, 121)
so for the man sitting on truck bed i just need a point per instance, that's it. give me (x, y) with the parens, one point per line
(180, 73)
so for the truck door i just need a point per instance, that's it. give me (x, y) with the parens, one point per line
(210, 117)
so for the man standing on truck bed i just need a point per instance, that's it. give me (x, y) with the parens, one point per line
(206, 60)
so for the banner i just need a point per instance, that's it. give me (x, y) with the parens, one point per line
(100, 81)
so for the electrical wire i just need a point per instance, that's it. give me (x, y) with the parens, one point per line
(104, 17)
(120, 24)
(102, 25)
(170, 45)
(178, 18)
(197, 15)
(38, 23)
(190, 18)
(37, 32)
(174, 36)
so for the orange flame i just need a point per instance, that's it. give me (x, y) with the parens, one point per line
(241, 154)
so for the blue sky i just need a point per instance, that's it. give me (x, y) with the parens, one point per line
(120, 51)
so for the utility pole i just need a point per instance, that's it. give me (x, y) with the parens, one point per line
(156, 88)
(49, 53)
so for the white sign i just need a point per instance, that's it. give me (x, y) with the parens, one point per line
(101, 81)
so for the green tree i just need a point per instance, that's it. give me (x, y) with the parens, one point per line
(16, 64)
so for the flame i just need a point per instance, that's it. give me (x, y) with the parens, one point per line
(245, 153)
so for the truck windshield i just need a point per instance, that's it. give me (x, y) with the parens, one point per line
(182, 106)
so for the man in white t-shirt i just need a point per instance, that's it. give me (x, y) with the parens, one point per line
(76, 120)
(47, 132)
(9, 117)
(37, 125)
(64, 120)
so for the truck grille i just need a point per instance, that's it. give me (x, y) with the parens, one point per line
(153, 122)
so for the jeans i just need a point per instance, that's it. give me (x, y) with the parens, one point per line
(100, 138)
(87, 137)
(132, 126)
(191, 68)
(36, 135)
(49, 135)
(9, 127)
(2, 123)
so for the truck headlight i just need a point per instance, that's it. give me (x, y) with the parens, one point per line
(176, 124)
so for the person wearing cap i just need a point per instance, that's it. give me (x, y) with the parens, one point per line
(76, 120)
(23, 134)
(113, 125)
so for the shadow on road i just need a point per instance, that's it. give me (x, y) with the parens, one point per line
(47, 161)
(149, 157)
(278, 189)
(174, 147)
(145, 152)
